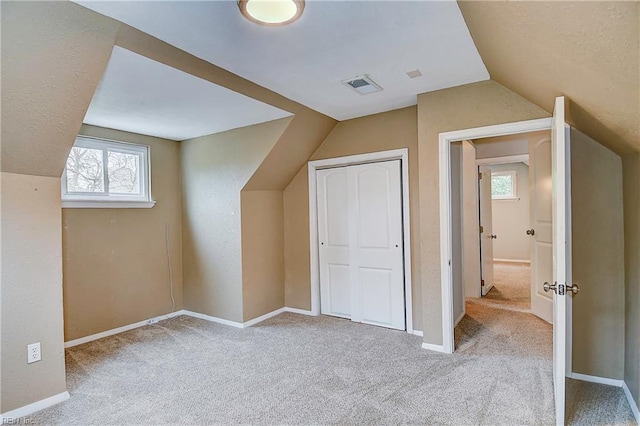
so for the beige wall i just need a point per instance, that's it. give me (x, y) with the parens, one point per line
(262, 252)
(31, 290)
(215, 168)
(462, 107)
(631, 168)
(598, 258)
(115, 261)
(511, 218)
(379, 132)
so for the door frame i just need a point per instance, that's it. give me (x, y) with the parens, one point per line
(445, 140)
(401, 154)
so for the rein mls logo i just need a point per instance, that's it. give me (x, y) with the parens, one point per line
(17, 421)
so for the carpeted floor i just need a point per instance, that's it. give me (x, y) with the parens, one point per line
(511, 287)
(293, 369)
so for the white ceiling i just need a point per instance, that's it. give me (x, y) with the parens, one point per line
(331, 42)
(139, 95)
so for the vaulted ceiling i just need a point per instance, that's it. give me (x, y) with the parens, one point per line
(587, 51)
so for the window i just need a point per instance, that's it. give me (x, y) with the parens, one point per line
(102, 173)
(503, 185)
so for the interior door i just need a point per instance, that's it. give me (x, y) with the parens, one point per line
(541, 231)
(361, 244)
(333, 234)
(486, 229)
(376, 244)
(561, 217)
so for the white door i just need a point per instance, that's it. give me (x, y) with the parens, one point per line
(333, 233)
(361, 260)
(486, 229)
(561, 217)
(541, 231)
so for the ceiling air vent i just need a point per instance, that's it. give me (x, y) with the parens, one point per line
(362, 84)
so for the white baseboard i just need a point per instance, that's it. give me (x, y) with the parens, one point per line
(596, 379)
(512, 260)
(300, 311)
(262, 318)
(418, 333)
(11, 417)
(460, 318)
(122, 329)
(431, 347)
(632, 402)
(213, 319)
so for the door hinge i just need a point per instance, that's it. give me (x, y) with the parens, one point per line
(481, 229)
(479, 175)
(481, 283)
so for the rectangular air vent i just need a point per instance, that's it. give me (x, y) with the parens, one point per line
(362, 84)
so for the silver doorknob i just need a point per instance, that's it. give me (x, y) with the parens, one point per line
(547, 287)
(573, 288)
(531, 232)
(493, 236)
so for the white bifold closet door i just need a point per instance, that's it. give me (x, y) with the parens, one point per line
(360, 237)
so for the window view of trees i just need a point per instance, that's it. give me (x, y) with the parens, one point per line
(86, 171)
(502, 186)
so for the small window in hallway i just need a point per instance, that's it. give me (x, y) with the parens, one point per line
(503, 185)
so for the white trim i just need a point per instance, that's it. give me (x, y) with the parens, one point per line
(10, 417)
(595, 379)
(103, 204)
(298, 311)
(118, 330)
(460, 317)
(431, 347)
(632, 402)
(395, 154)
(418, 333)
(213, 319)
(445, 139)
(507, 159)
(511, 260)
(262, 318)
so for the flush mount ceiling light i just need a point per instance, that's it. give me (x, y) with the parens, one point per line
(271, 12)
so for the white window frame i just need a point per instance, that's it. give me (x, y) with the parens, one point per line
(514, 185)
(104, 199)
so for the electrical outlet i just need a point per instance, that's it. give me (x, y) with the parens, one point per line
(33, 353)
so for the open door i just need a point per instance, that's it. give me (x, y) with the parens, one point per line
(486, 229)
(561, 217)
(541, 230)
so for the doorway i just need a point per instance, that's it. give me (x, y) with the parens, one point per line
(338, 270)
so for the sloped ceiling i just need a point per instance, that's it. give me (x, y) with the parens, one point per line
(587, 51)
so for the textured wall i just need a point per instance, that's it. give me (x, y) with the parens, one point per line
(587, 51)
(31, 306)
(53, 55)
(379, 132)
(511, 218)
(115, 262)
(262, 252)
(598, 258)
(631, 169)
(463, 107)
(215, 168)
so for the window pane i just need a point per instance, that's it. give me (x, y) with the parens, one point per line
(85, 170)
(502, 186)
(124, 173)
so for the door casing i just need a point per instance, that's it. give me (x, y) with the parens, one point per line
(401, 154)
(445, 140)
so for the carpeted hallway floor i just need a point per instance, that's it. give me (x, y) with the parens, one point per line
(294, 369)
(511, 287)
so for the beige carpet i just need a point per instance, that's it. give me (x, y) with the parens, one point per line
(294, 369)
(511, 287)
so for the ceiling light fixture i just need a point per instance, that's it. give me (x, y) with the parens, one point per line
(271, 12)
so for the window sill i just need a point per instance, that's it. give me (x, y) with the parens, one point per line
(106, 204)
(506, 199)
